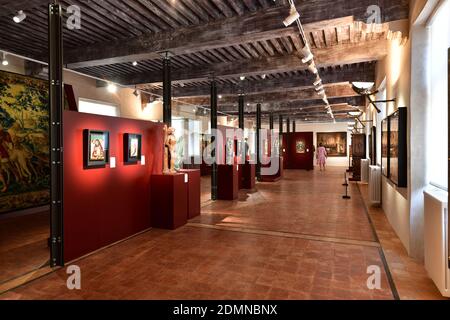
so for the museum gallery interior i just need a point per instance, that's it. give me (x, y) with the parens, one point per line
(224, 149)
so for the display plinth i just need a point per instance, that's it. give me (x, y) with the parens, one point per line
(275, 177)
(227, 182)
(193, 192)
(169, 198)
(248, 175)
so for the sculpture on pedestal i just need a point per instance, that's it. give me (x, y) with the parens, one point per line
(170, 142)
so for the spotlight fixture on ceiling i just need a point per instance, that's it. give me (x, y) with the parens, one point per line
(312, 68)
(220, 96)
(317, 82)
(264, 76)
(321, 92)
(292, 17)
(242, 78)
(19, 17)
(5, 62)
(320, 88)
(135, 63)
(325, 100)
(136, 92)
(307, 54)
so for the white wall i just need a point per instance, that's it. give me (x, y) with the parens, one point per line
(327, 127)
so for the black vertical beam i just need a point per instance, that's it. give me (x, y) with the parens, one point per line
(288, 125)
(271, 122)
(241, 112)
(280, 131)
(258, 144)
(213, 139)
(167, 91)
(294, 128)
(56, 100)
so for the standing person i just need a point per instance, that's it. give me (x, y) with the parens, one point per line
(322, 157)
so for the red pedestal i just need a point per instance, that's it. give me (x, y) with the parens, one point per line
(193, 192)
(169, 196)
(227, 182)
(248, 172)
(275, 177)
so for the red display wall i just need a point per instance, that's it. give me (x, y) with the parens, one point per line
(294, 160)
(102, 206)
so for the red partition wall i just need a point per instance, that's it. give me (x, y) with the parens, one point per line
(102, 206)
(294, 160)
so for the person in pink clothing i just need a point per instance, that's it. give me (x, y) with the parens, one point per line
(322, 157)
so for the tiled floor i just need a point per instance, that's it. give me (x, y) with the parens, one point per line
(23, 244)
(294, 239)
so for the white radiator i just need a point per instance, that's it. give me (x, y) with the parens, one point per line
(365, 170)
(375, 184)
(436, 239)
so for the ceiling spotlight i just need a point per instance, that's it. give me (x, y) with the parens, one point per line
(242, 78)
(19, 17)
(307, 54)
(263, 76)
(4, 61)
(135, 63)
(220, 96)
(293, 16)
(312, 68)
(248, 104)
(321, 92)
(136, 92)
(112, 88)
(325, 100)
(320, 88)
(317, 82)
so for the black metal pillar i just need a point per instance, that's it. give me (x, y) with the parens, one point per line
(167, 91)
(288, 125)
(294, 128)
(271, 122)
(56, 100)
(213, 139)
(241, 112)
(258, 142)
(280, 131)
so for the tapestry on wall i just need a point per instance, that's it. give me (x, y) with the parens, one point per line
(24, 149)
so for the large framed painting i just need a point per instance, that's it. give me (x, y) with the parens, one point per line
(132, 148)
(385, 147)
(334, 142)
(24, 142)
(96, 148)
(398, 148)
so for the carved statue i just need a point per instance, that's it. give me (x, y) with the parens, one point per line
(170, 142)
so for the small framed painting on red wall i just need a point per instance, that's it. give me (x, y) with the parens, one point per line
(96, 148)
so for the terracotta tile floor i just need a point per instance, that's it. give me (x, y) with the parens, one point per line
(285, 241)
(23, 244)
(409, 275)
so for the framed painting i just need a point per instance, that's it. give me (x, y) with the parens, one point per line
(385, 147)
(334, 142)
(300, 146)
(132, 148)
(398, 148)
(96, 148)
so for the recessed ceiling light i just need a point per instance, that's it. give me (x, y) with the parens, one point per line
(19, 17)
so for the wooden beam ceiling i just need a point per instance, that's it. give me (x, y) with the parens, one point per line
(358, 72)
(343, 54)
(255, 26)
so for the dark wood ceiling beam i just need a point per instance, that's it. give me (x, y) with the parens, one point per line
(257, 26)
(333, 91)
(358, 72)
(343, 54)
